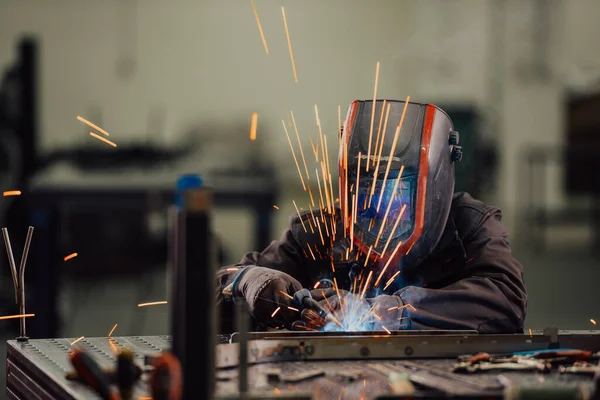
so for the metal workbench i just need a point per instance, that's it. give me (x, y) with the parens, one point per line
(352, 366)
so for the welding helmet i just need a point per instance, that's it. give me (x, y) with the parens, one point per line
(396, 166)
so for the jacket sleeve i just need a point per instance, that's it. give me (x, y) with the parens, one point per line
(284, 255)
(488, 294)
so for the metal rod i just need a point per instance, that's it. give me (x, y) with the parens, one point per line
(11, 262)
(22, 280)
(242, 327)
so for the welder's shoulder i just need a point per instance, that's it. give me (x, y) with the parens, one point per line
(470, 215)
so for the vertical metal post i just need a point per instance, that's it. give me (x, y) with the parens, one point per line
(242, 327)
(193, 324)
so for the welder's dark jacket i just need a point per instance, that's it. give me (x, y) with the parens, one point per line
(470, 281)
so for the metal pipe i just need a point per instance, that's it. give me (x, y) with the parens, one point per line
(23, 330)
(193, 324)
(242, 327)
(11, 263)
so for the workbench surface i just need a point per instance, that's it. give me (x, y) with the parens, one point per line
(36, 369)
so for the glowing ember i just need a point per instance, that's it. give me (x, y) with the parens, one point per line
(77, 340)
(94, 126)
(275, 312)
(112, 330)
(70, 256)
(253, 125)
(12, 193)
(92, 134)
(260, 29)
(17, 316)
(593, 321)
(154, 303)
(287, 34)
(275, 207)
(286, 295)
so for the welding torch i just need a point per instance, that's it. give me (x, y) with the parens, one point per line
(303, 298)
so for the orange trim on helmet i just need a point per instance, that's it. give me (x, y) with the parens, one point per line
(423, 173)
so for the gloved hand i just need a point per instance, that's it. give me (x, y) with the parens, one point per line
(356, 314)
(262, 288)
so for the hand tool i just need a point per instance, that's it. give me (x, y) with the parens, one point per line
(91, 374)
(127, 373)
(303, 298)
(166, 379)
(519, 365)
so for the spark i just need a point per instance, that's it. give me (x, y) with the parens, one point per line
(314, 149)
(275, 207)
(393, 308)
(387, 264)
(293, 154)
(287, 34)
(312, 201)
(253, 125)
(112, 330)
(299, 217)
(394, 143)
(311, 253)
(293, 309)
(77, 340)
(469, 260)
(377, 316)
(398, 219)
(320, 231)
(325, 188)
(70, 256)
(329, 174)
(593, 321)
(277, 391)
(96, 127)
(275, 312)
(413, 245)
(364, 382)
(320, 192)
(386, 329)
(260, 29)
(92, 134)
(337, 291)
(112, 346)
(346, 187)
(391, 280)
(530, 333)
(317, 284)
(378, 131)
(389, 207)
(286, 295)
(12, 193)
(408, 306)
(17, 316)
(355, 198)
(300, 145)
(362, 296)
(387, 117)
(373, 115)
(232, 269)
(154, 303)
(368, 254)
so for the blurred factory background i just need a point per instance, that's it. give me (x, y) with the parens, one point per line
(175, 84)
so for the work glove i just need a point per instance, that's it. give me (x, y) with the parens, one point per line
(264, 290)
(355, 313)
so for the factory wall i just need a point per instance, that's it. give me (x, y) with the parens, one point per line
(204, 66)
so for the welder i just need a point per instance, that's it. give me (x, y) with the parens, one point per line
(400, 243)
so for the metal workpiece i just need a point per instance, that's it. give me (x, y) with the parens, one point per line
(280, 367)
